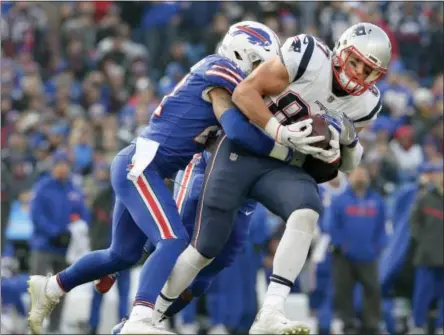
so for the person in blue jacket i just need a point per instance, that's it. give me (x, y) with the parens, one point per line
(56, 203)
(357, 230)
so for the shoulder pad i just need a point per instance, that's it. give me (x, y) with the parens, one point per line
(372, 104)
(300, 51)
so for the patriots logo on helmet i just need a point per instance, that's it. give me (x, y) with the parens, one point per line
(256, 36)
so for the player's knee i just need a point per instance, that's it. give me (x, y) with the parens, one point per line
(304, 220)
(176, 245)
(125, 259)
(208, 249)
(195, 258)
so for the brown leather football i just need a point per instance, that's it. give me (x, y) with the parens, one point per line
(320, 128)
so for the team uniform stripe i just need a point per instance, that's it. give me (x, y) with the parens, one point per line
(223, 68)
(374, 111)
(305, 58)
(225, 75)
(59, 281)
(252, 32)
(185, 183)
(201, 202)
(143, 303)
(149, 198)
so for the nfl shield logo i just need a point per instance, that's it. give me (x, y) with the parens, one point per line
(330, 98)
(233, 157)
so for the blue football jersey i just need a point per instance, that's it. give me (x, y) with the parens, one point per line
(185, 120)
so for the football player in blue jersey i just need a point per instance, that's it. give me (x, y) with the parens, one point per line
(144, 207)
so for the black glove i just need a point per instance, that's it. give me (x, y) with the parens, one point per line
(61, 240)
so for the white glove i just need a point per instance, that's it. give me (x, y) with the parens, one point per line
(331, 155)
(294, 136)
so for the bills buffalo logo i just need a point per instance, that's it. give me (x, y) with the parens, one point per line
(256, 36)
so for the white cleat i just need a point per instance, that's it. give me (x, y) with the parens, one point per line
(143, 326)
(271, 320)
(218, 330)
(41, 304)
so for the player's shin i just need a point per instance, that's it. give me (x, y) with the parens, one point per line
(153, 276)
(188, 265)
(291, 255)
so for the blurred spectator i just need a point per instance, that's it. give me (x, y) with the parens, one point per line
(159, 23)
(20, 228)
(357, 229)
(56, 203)
(119, 48)
(217, 31)
(408, 154)
(137, 112)
(425, 113)
(427, 232)
(435, 51)
(410, 30)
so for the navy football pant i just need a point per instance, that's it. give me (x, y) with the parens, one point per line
(187, 190)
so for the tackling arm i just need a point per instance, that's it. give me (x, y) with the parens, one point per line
(239, 130)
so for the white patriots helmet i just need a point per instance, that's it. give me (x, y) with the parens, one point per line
(248, 42)
(367, 43)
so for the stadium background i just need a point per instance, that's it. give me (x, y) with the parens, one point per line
(86, 76)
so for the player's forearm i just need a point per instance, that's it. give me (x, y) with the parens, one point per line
(241, 131)
(238, 128)
(351, 157)
(252, 105)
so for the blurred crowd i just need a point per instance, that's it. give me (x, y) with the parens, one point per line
(79, 80)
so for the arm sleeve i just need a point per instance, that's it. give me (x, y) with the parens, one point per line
(241, 131)
(350, 157)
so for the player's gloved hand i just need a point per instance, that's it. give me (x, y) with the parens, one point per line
(297, 135)
(333, 154)
(345, 126)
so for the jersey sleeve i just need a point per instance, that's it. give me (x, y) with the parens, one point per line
(371, 108)
(221, 74)
(296, 54)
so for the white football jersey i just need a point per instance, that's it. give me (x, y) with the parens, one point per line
(309, 92)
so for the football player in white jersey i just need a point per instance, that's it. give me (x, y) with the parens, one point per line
(310, 79)
(306, 79)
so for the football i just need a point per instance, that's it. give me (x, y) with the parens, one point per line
(320, 128)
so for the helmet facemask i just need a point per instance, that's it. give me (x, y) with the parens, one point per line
(345, 65)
